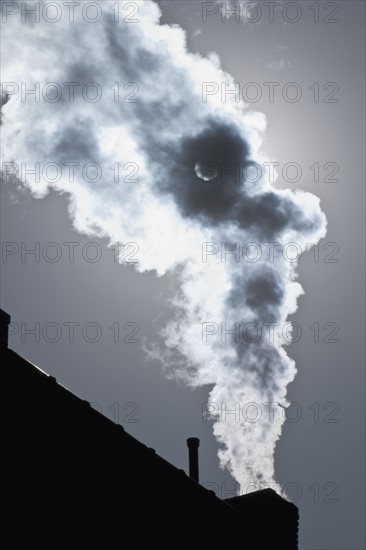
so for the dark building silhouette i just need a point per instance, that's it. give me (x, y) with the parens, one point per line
(74, 479)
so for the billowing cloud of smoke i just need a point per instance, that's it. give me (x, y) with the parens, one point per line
(172, 210)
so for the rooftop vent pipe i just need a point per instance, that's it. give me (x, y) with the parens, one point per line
(193, 444)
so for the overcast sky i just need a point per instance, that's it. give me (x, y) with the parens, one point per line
(310, 57)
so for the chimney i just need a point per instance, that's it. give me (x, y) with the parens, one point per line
(4, 327)
(193, 444)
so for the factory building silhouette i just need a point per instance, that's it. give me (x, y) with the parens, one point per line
(75, 479)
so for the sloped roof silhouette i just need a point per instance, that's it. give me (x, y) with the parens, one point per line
(79, 480)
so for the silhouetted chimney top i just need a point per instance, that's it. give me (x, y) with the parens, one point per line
(193, 444)
(4, 328)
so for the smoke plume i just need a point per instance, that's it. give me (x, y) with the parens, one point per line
(143, 158)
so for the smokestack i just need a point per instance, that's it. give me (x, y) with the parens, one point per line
(193, 444)
(4, 328)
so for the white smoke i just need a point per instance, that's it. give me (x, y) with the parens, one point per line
(170, 211)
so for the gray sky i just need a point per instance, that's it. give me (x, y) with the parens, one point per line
(320, 457)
